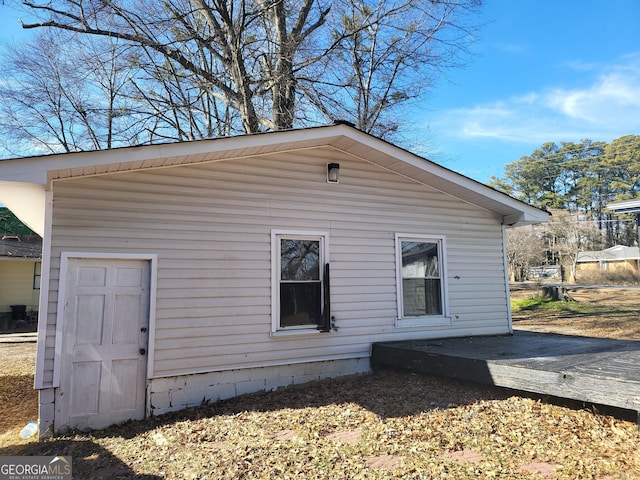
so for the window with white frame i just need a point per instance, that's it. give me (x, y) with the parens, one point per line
(37, 274)
(300, 283)
(421, 270)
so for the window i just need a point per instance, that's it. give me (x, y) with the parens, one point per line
(421, 281)
(37, 273)
(300, 281)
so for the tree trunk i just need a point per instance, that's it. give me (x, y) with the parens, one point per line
(551, 292)
(556, 294)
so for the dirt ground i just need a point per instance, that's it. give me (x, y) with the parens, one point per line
(613, 296)
(603, 312)
(18, 400)
(388, 424)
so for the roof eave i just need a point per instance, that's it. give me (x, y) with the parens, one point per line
(41, 170)
(626, 206)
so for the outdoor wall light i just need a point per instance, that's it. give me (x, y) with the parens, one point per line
(333, 173)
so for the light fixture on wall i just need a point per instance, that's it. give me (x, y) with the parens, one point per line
(333, 173)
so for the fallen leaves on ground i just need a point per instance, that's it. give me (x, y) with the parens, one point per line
(388, 424)
(18, 399)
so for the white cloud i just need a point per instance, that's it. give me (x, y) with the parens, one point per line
(582, 66)
(606, 109)
(511, 48)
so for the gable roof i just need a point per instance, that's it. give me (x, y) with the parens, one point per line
(11, 225)
(43, 170)
(616, 253)
(20, 246)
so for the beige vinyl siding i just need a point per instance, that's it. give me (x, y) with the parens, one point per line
(16, 283)
(210, 226)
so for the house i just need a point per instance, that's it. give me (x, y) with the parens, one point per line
(613, 259)
(20, 253)
(191, 272)
(618, 258)
(628, 207)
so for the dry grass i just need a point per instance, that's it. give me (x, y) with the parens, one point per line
(603, 313)
(388, 424)
(385, 425)
(18, 401)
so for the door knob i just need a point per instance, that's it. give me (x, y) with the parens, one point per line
(142, 351)
(143, 329)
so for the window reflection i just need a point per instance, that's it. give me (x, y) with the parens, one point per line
(300, 285)
(421, 284)
(299, 259)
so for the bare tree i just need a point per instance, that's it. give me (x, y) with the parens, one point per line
(173, 105)
(569, 234)
(58, 96)
(389, 52)
(204, 68)
(524, 249)
(241, 50)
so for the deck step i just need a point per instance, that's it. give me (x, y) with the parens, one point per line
(593, 370)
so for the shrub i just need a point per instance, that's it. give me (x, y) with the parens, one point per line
(604, 277)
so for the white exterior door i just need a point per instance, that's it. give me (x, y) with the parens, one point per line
(105, 337)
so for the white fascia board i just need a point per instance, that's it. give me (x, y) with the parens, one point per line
(465, 187)
(43, 302)
(28, 170)
(35, 169)
(525, 218)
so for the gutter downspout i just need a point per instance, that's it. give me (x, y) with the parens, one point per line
(506, 278)
(46, 395)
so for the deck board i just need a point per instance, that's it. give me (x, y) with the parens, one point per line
(594, 370)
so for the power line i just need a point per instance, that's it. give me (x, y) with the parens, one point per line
(558, 158)
(577, 163)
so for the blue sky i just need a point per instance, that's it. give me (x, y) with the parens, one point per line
(543, 70)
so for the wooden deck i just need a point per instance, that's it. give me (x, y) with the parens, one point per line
(594, 370)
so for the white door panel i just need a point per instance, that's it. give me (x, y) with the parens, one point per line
(104, 361)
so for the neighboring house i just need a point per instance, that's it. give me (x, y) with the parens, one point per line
(625, 207)
(192, 272)
(20, 254)
(614, 259)
(628, 207)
